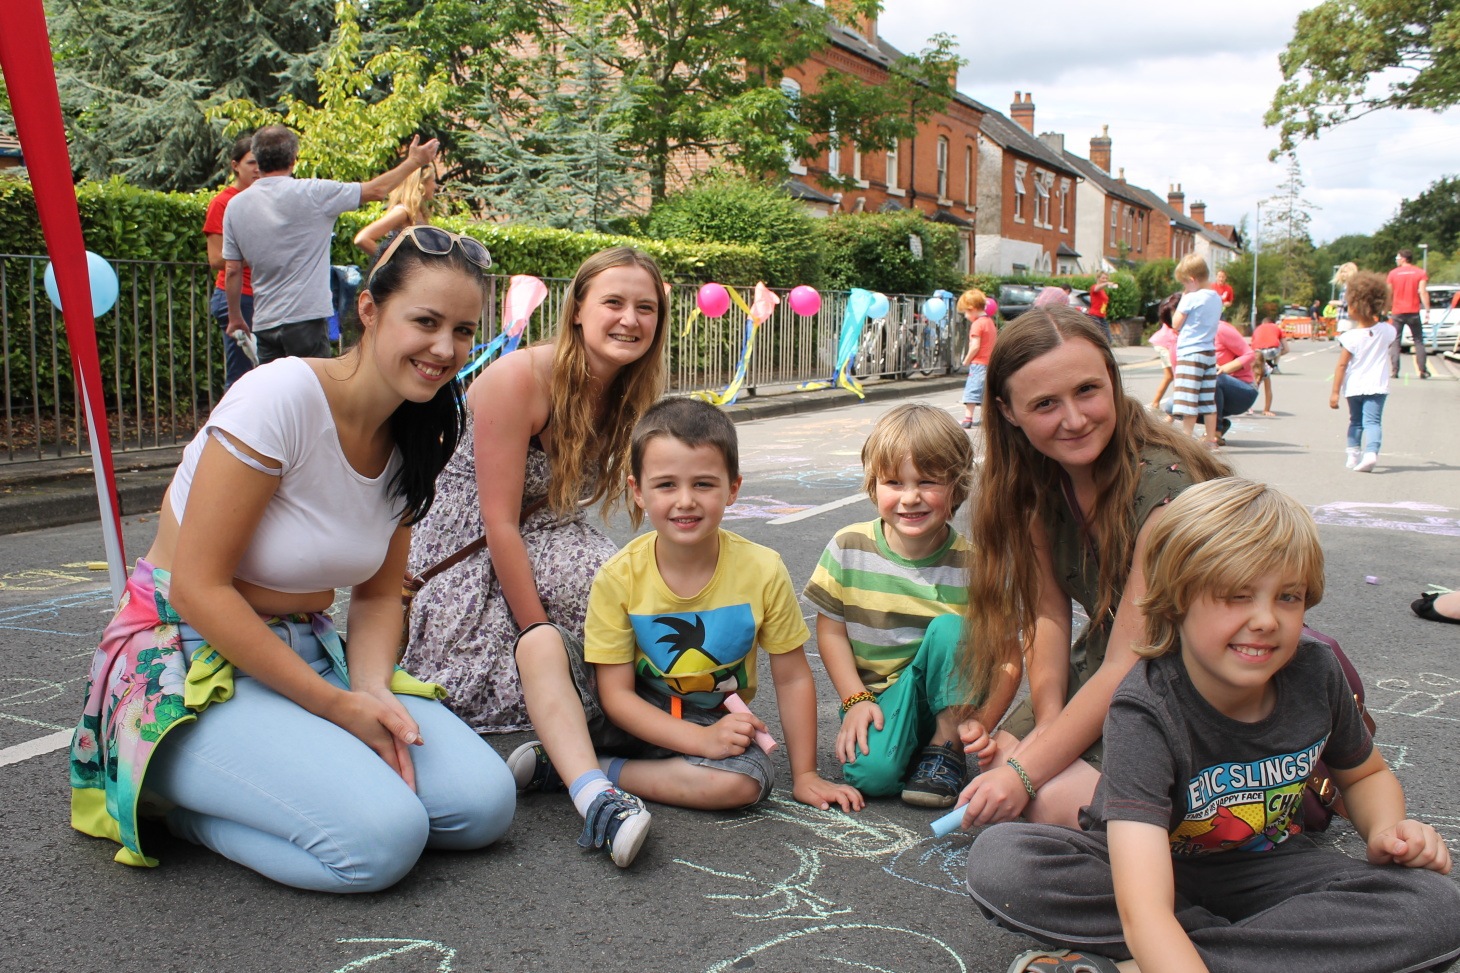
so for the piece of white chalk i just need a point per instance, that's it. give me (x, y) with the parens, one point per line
(737, 705)
(948, 823)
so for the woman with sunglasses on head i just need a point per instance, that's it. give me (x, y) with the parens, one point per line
(548, 437)
(221, 690)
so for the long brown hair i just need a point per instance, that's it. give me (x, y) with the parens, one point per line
(1003, 575)
(582, 436)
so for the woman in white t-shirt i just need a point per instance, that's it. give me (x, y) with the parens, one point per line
(221, 690)
(1362, 375)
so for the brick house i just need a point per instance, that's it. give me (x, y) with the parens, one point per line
(1026, 196)
(1113, 220)
(1218, 243)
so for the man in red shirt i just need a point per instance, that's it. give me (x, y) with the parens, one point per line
(1407, 282)
(1223, 289)
(1100, 300)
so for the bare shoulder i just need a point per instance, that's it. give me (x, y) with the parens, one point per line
(521, 378)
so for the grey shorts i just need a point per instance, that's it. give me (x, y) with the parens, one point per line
(613, 741)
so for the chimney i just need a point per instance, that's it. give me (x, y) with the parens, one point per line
(1199, 212)
(1055, 141)
(1176, 199)
(1122, 173)
(863, 25)
(1022, 111)
(1100, 149)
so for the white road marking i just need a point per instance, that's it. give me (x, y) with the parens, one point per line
(35, 748)
(813, 511)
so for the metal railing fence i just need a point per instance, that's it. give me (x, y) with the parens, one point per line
(162, 353)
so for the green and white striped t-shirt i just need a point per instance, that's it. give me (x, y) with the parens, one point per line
(886, 601)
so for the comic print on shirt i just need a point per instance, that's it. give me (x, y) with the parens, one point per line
(1251, 806)
(699, 656)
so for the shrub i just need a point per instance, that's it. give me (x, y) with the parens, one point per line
(734, 209)
(874, 251)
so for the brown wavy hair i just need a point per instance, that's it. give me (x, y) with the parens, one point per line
(1003, 574)
(583, 439)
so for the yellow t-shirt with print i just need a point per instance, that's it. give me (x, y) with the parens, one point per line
(699, 648)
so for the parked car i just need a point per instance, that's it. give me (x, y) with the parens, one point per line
(1015, 299)
(1441, 323)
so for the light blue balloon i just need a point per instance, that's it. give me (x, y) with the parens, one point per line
(104, 285)
(935, 309)
(879, 307)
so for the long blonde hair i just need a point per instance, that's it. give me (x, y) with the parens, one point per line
(411, 194)
(581, 436)
(1003, 576)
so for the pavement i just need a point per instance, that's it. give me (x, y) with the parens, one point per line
(37, 494)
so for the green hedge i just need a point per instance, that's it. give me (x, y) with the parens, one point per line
(873, 250)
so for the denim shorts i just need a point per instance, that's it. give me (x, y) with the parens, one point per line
(611, 740)
(973, 387)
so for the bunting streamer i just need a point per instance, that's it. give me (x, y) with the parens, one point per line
(859, 303)
(756, 313)
(25, 59)
(525, 295)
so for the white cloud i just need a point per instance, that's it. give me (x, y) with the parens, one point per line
(1184, 94)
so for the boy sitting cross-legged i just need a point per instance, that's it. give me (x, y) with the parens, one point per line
(673, 623)
(889, 595)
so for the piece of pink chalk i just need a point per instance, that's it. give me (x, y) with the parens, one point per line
(737, 705)
(1371, 579)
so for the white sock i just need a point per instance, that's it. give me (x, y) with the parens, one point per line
(586, 788)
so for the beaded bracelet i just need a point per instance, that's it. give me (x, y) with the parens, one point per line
(1028, 784)
(855, 698)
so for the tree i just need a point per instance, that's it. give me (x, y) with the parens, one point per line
(556, 155)
(709, 77)
(136, 77)
(1342, 60)
(1285, 236)
(1432, 217)
(347, 136)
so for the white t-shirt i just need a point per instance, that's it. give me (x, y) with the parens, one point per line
(1368, 370)
(281, 228)
(327, 526)
(1203, 310)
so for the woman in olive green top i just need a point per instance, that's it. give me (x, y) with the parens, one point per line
(1087, 474)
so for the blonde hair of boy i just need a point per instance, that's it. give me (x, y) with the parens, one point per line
(1193, 267)
(1219, 537)
(974, 300)
(938, 447)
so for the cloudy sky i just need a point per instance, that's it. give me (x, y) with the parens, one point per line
(1184, 95)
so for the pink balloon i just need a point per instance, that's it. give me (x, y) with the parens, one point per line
(804, 300)
(991, 307)
(713, 300)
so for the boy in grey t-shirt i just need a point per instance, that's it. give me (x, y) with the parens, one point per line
(1194, 856)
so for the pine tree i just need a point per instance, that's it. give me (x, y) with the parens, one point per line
(1286, 218)
(556, 155)
(136, 76)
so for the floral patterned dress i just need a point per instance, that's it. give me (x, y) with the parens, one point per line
(462, 631)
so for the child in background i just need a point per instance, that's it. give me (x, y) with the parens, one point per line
(981, 336)
(1362, 375)
(674, 620)
(1193, 855)
(889, 594)
(1195, 323)
(1164, 341)
(1270, 344)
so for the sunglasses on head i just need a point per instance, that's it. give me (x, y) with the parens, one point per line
(438, 243)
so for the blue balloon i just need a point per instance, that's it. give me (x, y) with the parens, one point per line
(104, 285)
(935, 309)
(879, 307)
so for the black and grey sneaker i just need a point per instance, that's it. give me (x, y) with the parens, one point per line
(533, 771)
(618, 821)
(938, 778)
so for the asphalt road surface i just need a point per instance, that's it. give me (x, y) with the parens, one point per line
(781, 887)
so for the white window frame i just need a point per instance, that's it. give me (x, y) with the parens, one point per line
(1064, 204)
(967, 176)
(1020, 169)
(857, 168)
(894, 166)
(942, 162)
(1042, 180)
(833, 153)
(791, 88)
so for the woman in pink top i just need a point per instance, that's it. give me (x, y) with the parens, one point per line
(1235, 389)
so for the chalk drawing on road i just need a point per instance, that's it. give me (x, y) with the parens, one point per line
(1426, 696)
(28, 618)
(841, 835)
(858, 946)
(761, 508)
(936, 863)
(1405, 516)
(791, 897)
(400, 947)
(40, 579)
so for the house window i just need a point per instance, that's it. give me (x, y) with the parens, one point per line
(792, 90)
(834, 153)
(968, 176)
(1042, 182)
(1019, 169)
(1064, 204)
(857, 166)
(942, 168)
(892, 164)
(1141, 231)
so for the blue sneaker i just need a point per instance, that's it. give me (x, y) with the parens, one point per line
(938, 778)
(618, 821)
(533, 771)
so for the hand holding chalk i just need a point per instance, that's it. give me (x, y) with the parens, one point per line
(737, 705)
(949, 822)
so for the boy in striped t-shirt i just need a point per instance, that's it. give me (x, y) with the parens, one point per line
(890, 595)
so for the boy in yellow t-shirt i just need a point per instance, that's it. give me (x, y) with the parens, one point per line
(674, 620)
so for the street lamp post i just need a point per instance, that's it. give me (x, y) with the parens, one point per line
(1425, 250)
(1256, 246)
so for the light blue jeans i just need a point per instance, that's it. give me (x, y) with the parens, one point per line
(1365, 418)
(264, 782)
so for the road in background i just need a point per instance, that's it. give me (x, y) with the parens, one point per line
(781, 887)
